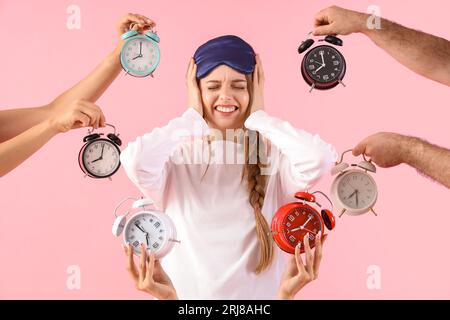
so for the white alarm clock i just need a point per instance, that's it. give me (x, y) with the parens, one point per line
(140, 54)
(99, 157)
(153, 228)
(354, 190)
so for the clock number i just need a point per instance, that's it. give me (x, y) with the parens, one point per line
(157, 224)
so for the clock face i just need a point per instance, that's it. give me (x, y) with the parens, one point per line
(324, 64)
(357, 190)
(300, 221)
(101, 158)
(148, 229)
(140, 56)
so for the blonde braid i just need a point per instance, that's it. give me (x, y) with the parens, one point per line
(257, 190)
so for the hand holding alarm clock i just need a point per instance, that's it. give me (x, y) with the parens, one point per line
(354, 190)
(150, 227)
(293, 221)
(323, 67)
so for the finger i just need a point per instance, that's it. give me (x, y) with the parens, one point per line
(360, 148)
(138, 20)
(131, 267)
(189, 68)
(142, 263)
(317, 254)
(298, 259)
(308, 255)
(150, 266)
(81, 120)
(324, 30)
(255, 72)
(126, 21)
(321, 18)
(194, 73)
(102, 119)
(97, 112)
(146, 20)
(92, 110)
(260, 69)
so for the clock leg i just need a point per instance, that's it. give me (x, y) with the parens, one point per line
(151, 75)
(371, 209)
(312, 87)
(342, 83)
(342, 212)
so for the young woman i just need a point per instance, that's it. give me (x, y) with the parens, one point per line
(222, 207)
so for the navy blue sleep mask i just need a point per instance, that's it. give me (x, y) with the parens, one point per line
(228, 50)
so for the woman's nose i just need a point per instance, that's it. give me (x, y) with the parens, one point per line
(225, 94)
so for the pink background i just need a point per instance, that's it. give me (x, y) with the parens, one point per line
(51, 217)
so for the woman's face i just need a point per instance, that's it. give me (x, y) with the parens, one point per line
(225, 98)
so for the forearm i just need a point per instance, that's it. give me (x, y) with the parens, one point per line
(16, 121)
(428, 159)
(93, 86)
(423, 53)
(16, 150)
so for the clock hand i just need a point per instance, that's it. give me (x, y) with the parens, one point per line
(146, 239)
(323, 61)
(356, 197)
(136, 57)
(302, 226)
(140, 49)
(140, 228)
(101, 155)
(354, 192)
(315, 71)
(318, 62)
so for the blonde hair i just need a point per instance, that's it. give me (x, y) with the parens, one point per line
(256, 189)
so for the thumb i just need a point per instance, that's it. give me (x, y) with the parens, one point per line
(359, 149)
(324, 30)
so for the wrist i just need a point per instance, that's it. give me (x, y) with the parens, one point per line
(411, 148)
(284, 296)
(114, 57)
(362, 24)
(51, 126)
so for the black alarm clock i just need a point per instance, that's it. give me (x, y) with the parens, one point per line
(99, 157)
(323, 67)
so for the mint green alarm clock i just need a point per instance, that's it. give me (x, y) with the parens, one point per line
(140, 54)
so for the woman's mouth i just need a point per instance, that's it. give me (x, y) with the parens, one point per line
(226, 109)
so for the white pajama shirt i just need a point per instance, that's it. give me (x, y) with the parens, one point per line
(215, 222)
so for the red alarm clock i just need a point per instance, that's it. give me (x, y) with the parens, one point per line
(294, 220)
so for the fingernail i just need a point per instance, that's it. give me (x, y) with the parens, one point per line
(299, 245)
